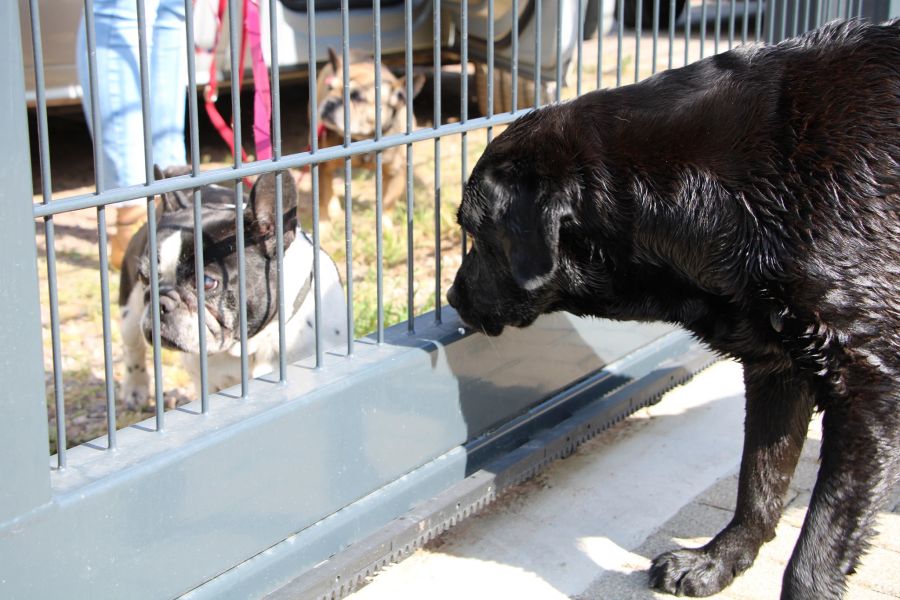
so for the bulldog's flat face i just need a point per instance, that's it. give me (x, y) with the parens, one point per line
(178, 295)
(178, 282)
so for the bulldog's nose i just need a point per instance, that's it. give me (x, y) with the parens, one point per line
(453, 297)
(168, 301)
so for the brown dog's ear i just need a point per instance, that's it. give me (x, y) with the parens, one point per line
(334, 60)
(263, 209)
(417, 84)
(398, 97)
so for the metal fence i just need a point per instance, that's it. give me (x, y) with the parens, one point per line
(242, 491)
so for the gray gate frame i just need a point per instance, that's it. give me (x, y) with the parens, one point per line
(281, 490)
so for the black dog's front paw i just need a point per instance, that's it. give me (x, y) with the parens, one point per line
(691, 573)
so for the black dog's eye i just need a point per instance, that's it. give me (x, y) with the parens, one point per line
(210, 283)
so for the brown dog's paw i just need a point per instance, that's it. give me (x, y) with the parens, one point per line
(686, 572)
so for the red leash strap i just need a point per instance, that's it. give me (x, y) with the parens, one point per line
(262, 95)
(262, 116)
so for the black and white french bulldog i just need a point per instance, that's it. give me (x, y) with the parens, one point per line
(178, 306)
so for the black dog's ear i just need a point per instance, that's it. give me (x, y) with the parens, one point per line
(263, 209)
(532, 239)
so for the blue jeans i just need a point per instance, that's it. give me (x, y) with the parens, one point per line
(119, 86)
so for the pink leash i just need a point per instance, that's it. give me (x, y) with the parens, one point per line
(262, 95)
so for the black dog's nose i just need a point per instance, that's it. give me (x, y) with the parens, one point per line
(452, 296)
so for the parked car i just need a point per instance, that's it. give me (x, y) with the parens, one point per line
(59, 24)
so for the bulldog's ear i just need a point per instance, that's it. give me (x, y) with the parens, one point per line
(263, 209)
(172, 200)
(532, 239)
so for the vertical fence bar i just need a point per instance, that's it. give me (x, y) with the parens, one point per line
(23, 428)
(151, 213)
(379, 200)
(796, 23)
(279, 191)
(90, 37)
(194, 133)
(515, 55)
(464, 102)
(600, 34)
(859, 9)
(703, 24)
(49, 231)
(806, 9)
(759, 19)
(638, 28)
(438, 301)
(655, 34)
(410, 248)
(687, 31)
(621, 26)
(745, 23)
(314, 170)
(558, 47)
(580, 62)
(490, 69)
(672, 11)
(348, 171)
(731, 25)
(718, 27)
(234, 21)
(537, 52)
(770, 25)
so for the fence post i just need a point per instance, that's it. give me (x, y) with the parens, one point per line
(24, 459)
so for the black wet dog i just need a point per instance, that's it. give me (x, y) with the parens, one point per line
(754, 198)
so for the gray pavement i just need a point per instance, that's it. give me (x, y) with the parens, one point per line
(588, 526)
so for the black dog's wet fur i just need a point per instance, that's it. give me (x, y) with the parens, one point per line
(752, 197)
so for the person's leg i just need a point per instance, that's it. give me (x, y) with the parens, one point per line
(168, 79)
(119, 104)
(118, 91)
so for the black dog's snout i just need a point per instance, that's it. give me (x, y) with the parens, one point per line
(453, 297)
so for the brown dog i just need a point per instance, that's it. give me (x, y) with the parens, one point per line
(330, 111)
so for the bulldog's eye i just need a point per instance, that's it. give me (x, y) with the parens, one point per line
(210, 283)
(356, 96)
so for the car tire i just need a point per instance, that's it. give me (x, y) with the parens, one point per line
(647, 12)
